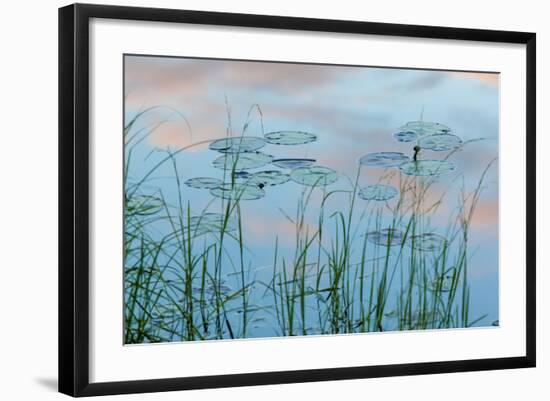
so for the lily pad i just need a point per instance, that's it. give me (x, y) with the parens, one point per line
(238, 191)
(386, 236)
(314, 176)
(427, 167)
(243, 175)
(290, 137)
(268, 177)
(203, 182)
(210, 223)
(383, 159)
(143, 205)
(420, 317)
(441, 283)
(293, 163)
(405, 136)
(377, 192)
(422, 128)
(440, 142)
(242, 161)
(237, 144)
(428, 242)
(207, 218)
(221, 289)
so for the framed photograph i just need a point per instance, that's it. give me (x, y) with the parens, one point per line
(251, 199)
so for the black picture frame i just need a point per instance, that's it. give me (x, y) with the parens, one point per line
(74, 198)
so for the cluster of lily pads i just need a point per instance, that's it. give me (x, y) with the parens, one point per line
(426, 135)
(240, 155)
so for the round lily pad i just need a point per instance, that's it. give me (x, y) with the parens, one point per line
(143, 205)
(428, 242)
(441, 283)
(238, 191)
(207, 218)
(210, 222)
(419, 316)
(268, 177)
(386, 236)
(203, 182)
(383, 159)
(221, 289)
(405, 136)
(290, 137)
(243, 175)
(422, 128)
(440, 142)
(242, 161)
(238, 144)
(427, 167)
(377, 192)
(314, 176)
(293, 163)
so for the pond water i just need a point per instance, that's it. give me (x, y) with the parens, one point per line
(318, 198)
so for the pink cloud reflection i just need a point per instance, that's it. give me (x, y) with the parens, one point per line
(152, 80)
(486, 78)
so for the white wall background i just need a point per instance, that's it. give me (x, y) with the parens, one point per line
(28, 200)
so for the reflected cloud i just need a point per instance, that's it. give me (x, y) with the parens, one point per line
(491, 79)
(154, 80)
